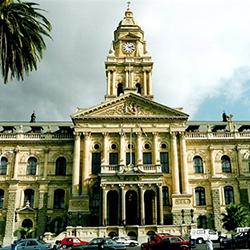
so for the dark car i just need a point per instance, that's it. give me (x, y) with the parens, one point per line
(167, 242)
(241, 240)
(106, 243)
(30, 244)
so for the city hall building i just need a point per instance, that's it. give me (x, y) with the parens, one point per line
(127, 166)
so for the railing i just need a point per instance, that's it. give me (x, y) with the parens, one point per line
(34, 136)
(217, 135)
(146, 168)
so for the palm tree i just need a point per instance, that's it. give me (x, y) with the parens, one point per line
(235, 216)
(22, 28)
(24, 232)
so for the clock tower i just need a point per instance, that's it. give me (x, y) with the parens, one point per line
(128, 65)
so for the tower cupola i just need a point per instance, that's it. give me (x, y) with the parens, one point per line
(128, 65)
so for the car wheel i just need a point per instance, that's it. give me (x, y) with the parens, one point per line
(64, 246)
(199, 241)
(184, 247)
(132, 244)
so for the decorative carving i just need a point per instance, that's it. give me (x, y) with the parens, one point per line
(182, 201)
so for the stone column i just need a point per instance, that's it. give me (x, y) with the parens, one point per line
(113, 82)
(11, 214)
(150, 82)
(104, 205)
(184, 174)
(127, 78)
(160, 204)
(211, 150)
(122, 149)
(175, 165)
(76, 166)
(139, 149)
(105, 149)
(42, 209)
(156, 153)
(145, 82)
(15, 169)
(239, 159)
(108, 83)
(123, 203)
(45, 166)
(142, 192)
(155, 209)
(86, 159)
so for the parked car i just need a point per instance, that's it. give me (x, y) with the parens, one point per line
(201, 235)
(126, 241)
(240, 240)
(72, 241)
(108, 244)
(30, 244)
(166, 242)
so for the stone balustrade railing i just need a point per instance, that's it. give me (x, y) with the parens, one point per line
(217, 135)
(35, 136)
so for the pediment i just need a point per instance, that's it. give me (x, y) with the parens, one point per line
(130, 106)
(130, 36)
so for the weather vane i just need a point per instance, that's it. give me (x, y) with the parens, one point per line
(128, 4)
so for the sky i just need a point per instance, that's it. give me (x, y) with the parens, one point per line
(200, 50)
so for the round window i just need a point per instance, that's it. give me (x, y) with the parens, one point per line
(96, 146)
(113, 146)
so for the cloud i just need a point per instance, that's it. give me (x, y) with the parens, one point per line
(200, 51)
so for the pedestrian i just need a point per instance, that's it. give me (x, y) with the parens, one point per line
(14, 245)
(209, 244)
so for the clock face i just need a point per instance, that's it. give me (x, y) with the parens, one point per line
(128, 47)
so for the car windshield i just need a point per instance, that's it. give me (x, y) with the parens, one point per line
(42, 241)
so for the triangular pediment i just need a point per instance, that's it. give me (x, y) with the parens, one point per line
(130, 106)
(130, 36)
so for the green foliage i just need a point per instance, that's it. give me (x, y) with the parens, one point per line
(22, 28)
(235, 216)
(24, 232)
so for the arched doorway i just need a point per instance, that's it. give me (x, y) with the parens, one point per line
(26, 229)
(149, 201)
(112, 200)
(131, 208)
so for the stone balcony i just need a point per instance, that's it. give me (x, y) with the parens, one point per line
(146, 168)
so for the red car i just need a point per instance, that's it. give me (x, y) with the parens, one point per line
(165, 242)
(72, 241)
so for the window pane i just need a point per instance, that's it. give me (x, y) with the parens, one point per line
(165, 196)
(61, 166)
(3, 166)
(128, 156)
(96, 163)
(113, 158)
(225, 164)
(229, 195)
(31, 168)
(147, 158)
(164, 162)
(198, 164)
(1, 198)
(59, 198)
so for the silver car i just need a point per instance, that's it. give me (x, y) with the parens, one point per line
(30, 244)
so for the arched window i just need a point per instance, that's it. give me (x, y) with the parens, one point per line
(61, 166)
(32, 164)
(3, 166)
(59, 196)
(1, 198)
(120, 89)
(198, 164)
(226, 164)
(138, 87)
(165, 196)
(228, 195)
(200, 197)
(29, 197)
(248, 163)
(202, 221)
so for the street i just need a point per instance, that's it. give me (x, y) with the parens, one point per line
(198, 247)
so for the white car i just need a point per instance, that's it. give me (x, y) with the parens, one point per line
(126, 241)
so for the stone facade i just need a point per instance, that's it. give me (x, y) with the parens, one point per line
(127, 166)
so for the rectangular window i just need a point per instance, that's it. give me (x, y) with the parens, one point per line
(164, 162)
(96, 163)
(113, 158)
(147, 158)
(128, 160)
